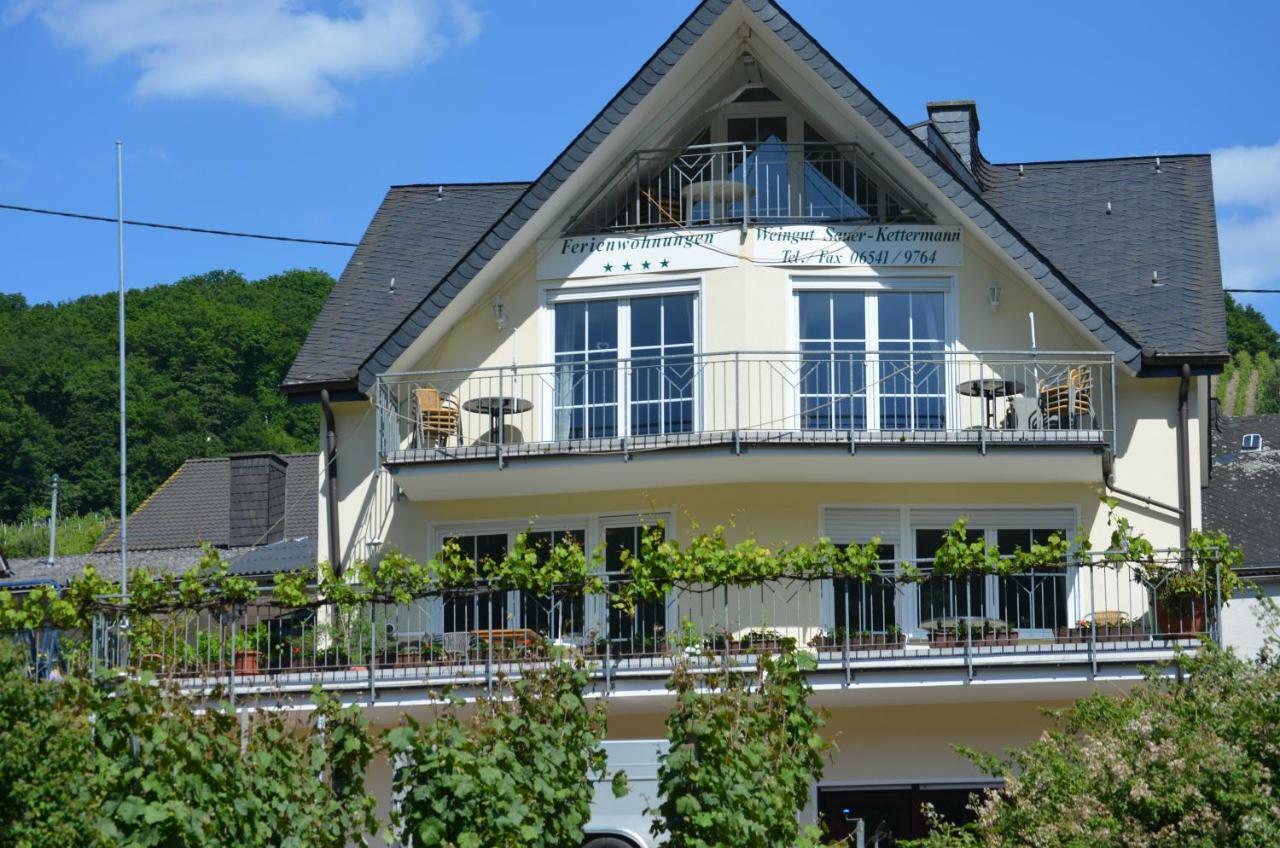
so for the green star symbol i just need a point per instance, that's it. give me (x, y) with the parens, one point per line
(626, 266)
(645, 264)
(665, 263)
(608, 268)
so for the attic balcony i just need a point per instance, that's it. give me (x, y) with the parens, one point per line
(1059, 626)
(748, 416)
(743, 184)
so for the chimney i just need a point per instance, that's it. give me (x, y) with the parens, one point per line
(957, 120)
(257, 499)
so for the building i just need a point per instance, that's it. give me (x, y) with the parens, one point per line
(257, 509)
(748, 291)
(1242, 500)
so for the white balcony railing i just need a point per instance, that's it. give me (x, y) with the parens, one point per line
(735, 399)
(1082, 614)
(770, 182)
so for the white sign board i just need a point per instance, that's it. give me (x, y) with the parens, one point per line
(859, 245)
(607, 255)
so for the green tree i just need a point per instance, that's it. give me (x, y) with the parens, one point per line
(1248, 330)
(517, 774)
(743, 754)
(1186, 761)
(206, 357)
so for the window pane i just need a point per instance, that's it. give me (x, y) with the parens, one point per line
(602, 325)
(646, 322)
(641, 631)
(849, 312)
(927, 315)
(561, 613)
(866, 607)
(949, 597)
(678, 320)
(482, 611)
(571, 326)
(815, 315)
(895, 315)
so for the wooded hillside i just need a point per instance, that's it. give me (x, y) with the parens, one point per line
(205, 357)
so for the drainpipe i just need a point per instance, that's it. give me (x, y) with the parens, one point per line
(1183, 509)
(331, 481)
(1184, 458)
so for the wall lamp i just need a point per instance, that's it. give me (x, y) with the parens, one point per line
(993, 295)
(500, 314)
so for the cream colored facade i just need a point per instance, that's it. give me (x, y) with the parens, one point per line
(892, 726)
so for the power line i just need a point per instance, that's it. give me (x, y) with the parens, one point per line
(1253, 291)
(178, 227)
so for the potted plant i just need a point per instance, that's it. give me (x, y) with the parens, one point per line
(977, 633)
(835, 639)
(765, 641)
(248, 645)
(1103, 626)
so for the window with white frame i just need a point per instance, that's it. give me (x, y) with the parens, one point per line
(624, 366)
(1036, 601)
(561, 615)
(872, 359)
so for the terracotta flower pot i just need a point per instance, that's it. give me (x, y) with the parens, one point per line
(1181, 616)
(247, 662)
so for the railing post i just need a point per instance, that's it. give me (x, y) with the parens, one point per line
(1217, 597)
(746, 201)
(501, 417)
(231, 674)
(737, 403)
(373, 652)
(1113, 416)
(852, 418)
(1093, 622)
(379, 437)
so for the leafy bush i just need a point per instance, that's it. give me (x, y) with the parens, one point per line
(517, 774)
(743, 755)
(1185, 761)
(138, 766)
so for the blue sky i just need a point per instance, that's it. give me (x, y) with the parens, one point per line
(294, 117)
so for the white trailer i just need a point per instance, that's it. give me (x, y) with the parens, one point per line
(623, 822)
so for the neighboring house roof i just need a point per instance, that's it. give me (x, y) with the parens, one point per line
(1243, 495)
(192, 508)
(1160, 221)
(360, 369)
(417, 235)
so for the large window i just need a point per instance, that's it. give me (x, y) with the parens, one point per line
(1033, 601)
(866, 606)
(634, 356)
(643, 629)
(872, 359)
(466, 611)
(561, 614)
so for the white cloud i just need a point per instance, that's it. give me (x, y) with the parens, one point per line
(1246, 184)
(290, 55)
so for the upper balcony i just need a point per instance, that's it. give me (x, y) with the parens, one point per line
(746, 183)
(785, 408)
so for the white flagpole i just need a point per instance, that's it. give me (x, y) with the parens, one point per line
(124, 444)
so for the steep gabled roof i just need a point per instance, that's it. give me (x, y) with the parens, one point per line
(417, 235)
(1160, 220)
(962, 190)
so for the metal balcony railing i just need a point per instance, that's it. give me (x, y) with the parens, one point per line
(833, 397)
(770, 182)
(1077, 613)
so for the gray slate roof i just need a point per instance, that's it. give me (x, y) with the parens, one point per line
(417, 235)
(1160, 221)
(1243, 496)
(347, 354)
(192, 507)
(165, 561)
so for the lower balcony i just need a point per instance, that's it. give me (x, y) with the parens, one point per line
(1069, 622)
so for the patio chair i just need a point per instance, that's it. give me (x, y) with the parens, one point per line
(1067, 403)
(439, 417)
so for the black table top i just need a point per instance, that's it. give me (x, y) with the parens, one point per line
(990, 387)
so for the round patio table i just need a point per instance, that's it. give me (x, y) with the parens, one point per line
(990, 388)
(497, 408)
